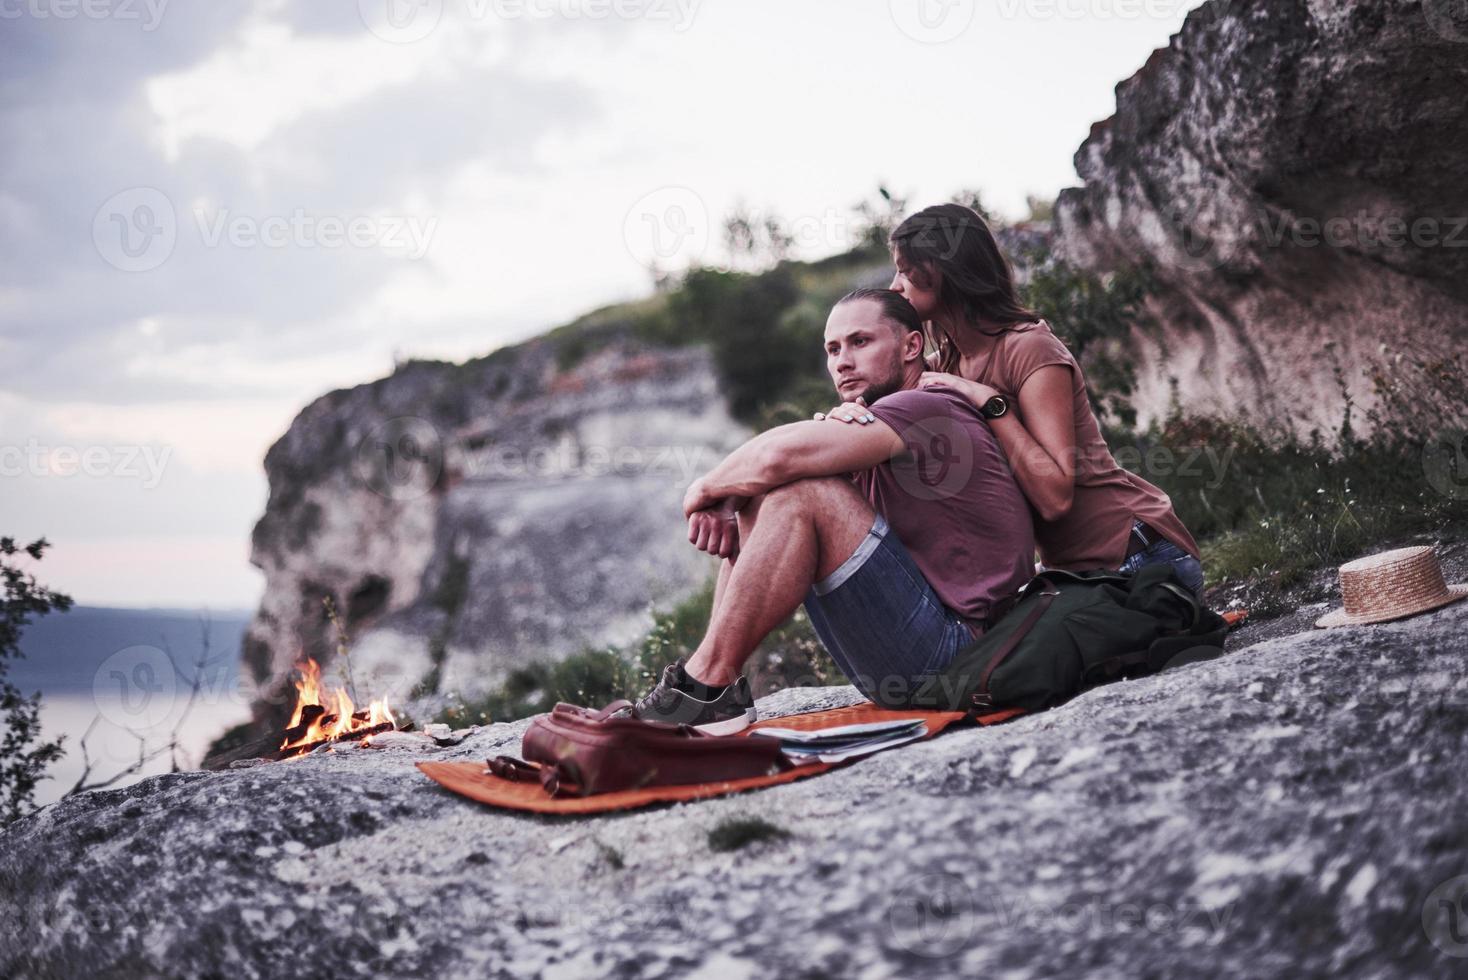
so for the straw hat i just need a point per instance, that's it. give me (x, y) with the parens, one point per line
(1392, 585)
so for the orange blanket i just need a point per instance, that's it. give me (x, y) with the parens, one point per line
(469, 778)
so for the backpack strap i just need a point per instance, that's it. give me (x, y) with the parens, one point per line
(1195, 609)
(980, 700)
(590, 714)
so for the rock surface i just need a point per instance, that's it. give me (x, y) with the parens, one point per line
(1257, 163)
(1296, 808)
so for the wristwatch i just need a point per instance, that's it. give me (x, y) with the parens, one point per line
(995, 407)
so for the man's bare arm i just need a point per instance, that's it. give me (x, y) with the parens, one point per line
(798, 451)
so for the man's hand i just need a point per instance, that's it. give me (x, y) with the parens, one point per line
(697, 498)
(716, 529)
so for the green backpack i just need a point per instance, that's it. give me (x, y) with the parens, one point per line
(1071, 631)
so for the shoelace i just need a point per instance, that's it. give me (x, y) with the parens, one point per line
(659, 695)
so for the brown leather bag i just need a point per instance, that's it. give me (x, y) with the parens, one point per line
(581, 752)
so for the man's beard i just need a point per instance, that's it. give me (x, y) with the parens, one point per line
(887, 386)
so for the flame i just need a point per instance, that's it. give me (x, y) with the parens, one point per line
(338, 716)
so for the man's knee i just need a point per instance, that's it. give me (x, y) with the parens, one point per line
(815, 492)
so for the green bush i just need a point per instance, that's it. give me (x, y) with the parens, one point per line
(24, 756)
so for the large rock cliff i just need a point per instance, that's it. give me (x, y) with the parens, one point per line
(1294, 172)
(465, 519)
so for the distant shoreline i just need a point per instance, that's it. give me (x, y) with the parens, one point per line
(241, 613)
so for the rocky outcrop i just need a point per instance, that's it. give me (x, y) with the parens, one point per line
(1295, 808)
(464, 519)
(1293, 172)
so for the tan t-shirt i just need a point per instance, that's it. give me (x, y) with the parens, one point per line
(1094, 532)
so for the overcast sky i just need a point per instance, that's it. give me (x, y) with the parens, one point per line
(213, 212)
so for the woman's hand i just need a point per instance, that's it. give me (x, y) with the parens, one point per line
(978, 394)
(849, 412)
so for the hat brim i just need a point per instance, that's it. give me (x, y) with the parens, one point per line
(1339, 617)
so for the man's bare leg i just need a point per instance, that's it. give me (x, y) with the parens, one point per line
(747, 517)
(799, 534)
(721, 584)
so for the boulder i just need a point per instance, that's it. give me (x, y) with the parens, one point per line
(1292, 171)
(1296, 807)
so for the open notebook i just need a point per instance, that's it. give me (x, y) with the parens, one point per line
(843, 741)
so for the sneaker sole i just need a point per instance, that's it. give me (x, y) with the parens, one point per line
(731, 725)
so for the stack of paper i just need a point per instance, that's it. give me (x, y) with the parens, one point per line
(845, 741)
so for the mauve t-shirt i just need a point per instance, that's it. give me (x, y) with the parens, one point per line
(952, 501)
(1108, 498)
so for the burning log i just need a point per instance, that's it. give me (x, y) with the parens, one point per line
(322, 716)
(360, 733)
(268, 748)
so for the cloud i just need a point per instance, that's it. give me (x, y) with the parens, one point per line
(298, 174)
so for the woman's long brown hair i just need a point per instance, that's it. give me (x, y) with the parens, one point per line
(954, 244)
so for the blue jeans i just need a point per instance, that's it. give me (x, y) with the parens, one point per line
(881, 621)
(1189, 569)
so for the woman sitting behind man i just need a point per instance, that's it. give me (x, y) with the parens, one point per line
(1089, 512)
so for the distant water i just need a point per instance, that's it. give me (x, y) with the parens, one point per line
(129, 673)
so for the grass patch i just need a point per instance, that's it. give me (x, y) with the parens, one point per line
(610, 855)
(736, 832)
(1272, 507)
(791, 656)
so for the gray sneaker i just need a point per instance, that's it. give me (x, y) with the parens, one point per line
(732, 711)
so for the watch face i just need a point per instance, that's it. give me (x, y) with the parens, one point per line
(995, 407)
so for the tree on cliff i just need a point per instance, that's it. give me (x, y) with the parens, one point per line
(23, 756)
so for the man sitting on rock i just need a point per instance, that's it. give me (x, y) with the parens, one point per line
(905, 537)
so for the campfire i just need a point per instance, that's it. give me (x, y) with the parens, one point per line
(326, 714)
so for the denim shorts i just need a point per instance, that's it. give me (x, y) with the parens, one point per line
(1189, 569)
(880, 619)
